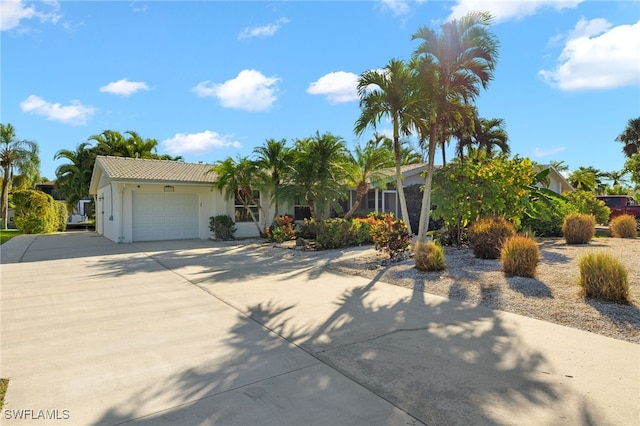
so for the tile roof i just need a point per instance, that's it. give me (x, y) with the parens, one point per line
(138, 169)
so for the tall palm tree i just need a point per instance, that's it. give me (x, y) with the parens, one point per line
(74, 177)
(454, 64)
(409, 154)
(560, 166)
(585, 178)
(318, 173)
(367, 167)
(630, 137)
(137, 147)
(486, 136)
(617, 177)
(240, 179)
(390, 93)
(15, 155)
(274, 157)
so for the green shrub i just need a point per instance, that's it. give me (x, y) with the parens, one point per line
(282, 229)
(585, 202)
(520, 256)
(35, 212)
(390, 235)
(222, 227)
(333, 233)
(361, 230)
(602, 276)
(429, 256)
(579, 228)
(623, 226)
(307, 230)
(547, 222)
(63, 215)
(486, 236)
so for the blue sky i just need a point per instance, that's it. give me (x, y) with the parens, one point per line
(212, 79)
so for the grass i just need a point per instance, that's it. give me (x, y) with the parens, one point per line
(3, 390)
(6, 235)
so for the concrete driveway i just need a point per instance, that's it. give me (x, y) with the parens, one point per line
(200, 332)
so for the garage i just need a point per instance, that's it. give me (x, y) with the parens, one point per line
(164, 216)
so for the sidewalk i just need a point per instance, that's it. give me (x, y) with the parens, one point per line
(195, 332)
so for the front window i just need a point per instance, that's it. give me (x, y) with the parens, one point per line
(301, 211)
(242, 213)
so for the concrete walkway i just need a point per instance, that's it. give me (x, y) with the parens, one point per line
(199, 332)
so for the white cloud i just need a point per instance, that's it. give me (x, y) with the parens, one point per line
(74, 114)
(197, 143)
(14, 11)
(397, 7)
(597, 56)
(542, 153)
(264, 31)
(249, 91)
(124, 87)
(503, 10)
(337, 86)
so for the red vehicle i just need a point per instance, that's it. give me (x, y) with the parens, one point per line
(622, 204)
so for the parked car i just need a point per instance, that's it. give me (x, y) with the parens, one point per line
(622, 204)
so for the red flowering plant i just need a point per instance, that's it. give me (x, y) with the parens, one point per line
(282, 229)
(391, 235)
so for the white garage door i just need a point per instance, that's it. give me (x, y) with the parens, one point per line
(164, 216)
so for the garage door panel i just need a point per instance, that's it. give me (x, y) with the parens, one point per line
(164, 216)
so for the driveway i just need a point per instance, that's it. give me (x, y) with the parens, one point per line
(199, 332)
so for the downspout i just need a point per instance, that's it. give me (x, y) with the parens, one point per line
(121, 238)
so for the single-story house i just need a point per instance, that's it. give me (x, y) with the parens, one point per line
(146, 200)
(556, 181)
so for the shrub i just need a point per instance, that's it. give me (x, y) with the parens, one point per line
(35, 212)
(282, 229)
(222, 227)
(486, 236)
(307, 230)
(429, 256)
(63, 215)
(390, 235)
(361, 230)
(602, 276)
(579, 228)
(333, 233)
(585, 202)
(548, 218)
(623, 226)
(520, 256)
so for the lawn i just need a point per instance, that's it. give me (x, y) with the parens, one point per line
(6, 235)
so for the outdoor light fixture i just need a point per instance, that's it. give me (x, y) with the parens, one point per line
(169, 188)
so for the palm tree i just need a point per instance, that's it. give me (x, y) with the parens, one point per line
(136, 147)
(74, 177)
(15, 155)
(367, 167)
(560, 166)
(617, 177)
(318, 173)
(630, 137)
(391, 93)
(274, 157)
(453, 65)
(408, 152)
(240, 179)
(585, 178)
(486, 136)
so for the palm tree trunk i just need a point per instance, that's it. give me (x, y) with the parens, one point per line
(425, 211)
(399, 187)
(5, 196)
(359, 194)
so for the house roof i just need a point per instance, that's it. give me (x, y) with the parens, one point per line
(127, 169)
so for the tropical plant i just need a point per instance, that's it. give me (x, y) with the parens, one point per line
(36, 212)
(486, 136)
(222, 227)
(240, 179)
(409, 154)
(274, 158)
(560, 166)
(632, 165)
(391, 235)
(16, 155)
(453, 64)
(390, 93)
(585, 178)
(586, 203)
(367, 167)
(318, 173)
(630, 137)
(74, 177)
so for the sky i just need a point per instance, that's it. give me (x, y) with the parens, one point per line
(213, 79)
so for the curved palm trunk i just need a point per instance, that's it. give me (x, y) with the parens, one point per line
(363, 188)
(5, 196)
(399, 187)
(425, 211)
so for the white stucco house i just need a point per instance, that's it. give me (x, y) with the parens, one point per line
(146, 200)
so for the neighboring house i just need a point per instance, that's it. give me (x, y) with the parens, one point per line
(383, 196)
(557, 183)
(145, 200)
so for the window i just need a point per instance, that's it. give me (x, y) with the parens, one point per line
(242, 214)
(301, 211)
